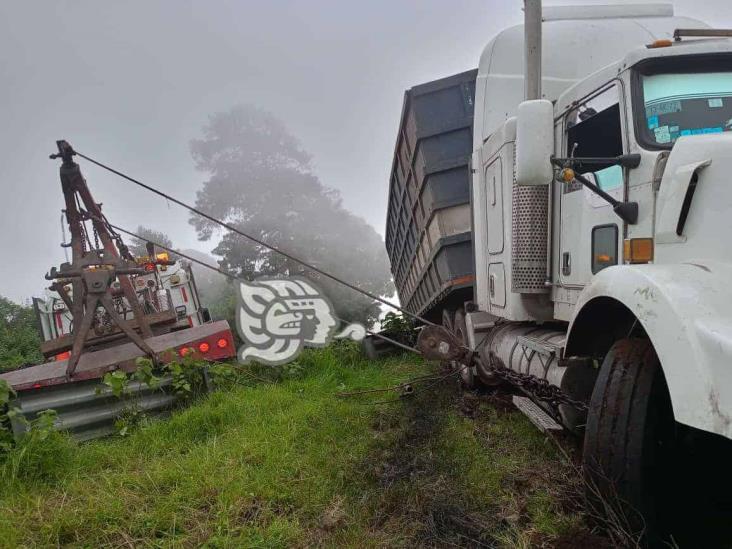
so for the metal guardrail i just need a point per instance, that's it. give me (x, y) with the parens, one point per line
(89, 409)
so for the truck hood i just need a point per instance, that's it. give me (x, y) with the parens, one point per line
(694, 205)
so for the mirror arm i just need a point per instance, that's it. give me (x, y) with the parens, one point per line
(627, 211)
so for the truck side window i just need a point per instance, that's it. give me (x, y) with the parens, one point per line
(594, 126)
(604, 247)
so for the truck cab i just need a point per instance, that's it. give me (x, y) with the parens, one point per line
(600, 212)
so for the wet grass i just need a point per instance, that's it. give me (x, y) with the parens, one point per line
(289, 464)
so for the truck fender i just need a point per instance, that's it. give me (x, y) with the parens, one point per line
(685, 311)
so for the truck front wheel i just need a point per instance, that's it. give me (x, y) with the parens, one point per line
(629, 444)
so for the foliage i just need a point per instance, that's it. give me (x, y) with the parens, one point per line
(39, 454)
(144, 373)
(117, 381)
(289, 464)
(260, 180)
(220, 297)
(399, 327)
(6, 432)
(223, 376)
(350, 353)
(19, 338)
(138, 247)
(132, 417)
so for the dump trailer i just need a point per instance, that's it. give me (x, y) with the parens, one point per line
(428, 237)
(103, 311)
(599, 205)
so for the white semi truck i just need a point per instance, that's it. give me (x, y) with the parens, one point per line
(599, 212)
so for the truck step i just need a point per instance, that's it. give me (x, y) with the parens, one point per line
(543, 421)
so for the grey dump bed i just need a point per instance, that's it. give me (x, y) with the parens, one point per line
(428, 231)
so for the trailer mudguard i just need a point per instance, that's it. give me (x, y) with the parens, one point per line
(686, 310)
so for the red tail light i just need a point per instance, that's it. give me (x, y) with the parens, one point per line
(150, 267)
(222, 343)
(204, 347)
(184, 351)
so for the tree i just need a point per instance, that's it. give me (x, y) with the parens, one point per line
(260, 181)
(138, 247)
(19, 338)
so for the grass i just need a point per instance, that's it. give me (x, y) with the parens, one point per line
(289, 464)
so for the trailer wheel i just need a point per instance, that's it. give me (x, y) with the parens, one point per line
(629, 444)
(459, 328)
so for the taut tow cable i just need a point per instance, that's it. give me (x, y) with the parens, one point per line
(230, 227)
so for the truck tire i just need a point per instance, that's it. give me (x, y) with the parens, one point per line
(459, 328)
(629, 444)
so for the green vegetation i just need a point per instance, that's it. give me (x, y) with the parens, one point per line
(277, 459)
(19, 339)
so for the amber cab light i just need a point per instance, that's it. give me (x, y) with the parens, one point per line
(204, 347)
(638, 250)
(660, 43)
(222, 343)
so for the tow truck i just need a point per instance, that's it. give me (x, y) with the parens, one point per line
(104, 310)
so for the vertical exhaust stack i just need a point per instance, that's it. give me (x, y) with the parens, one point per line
(532, 49)
(531, 210)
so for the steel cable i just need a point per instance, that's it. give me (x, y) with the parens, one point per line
(230, 227)
(418, 379)
(235, 277)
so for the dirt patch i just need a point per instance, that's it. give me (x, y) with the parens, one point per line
(417, 493)
(422, 498)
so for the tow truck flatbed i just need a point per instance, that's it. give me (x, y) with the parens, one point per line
(95, 364)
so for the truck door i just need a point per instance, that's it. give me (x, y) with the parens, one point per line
(590, 231)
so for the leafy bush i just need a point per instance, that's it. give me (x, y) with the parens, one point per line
(19, 338)
(399, 327)
(6, 432)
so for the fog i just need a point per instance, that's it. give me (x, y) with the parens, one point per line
(131, 83)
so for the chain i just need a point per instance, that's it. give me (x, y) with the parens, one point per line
(84, 238)
(537, 387)
(96, 236)
(121, 246)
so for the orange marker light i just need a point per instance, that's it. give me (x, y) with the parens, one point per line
(638, 250)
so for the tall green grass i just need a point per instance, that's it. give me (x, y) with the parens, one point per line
(288, 463)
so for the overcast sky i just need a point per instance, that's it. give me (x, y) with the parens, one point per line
(131, 82)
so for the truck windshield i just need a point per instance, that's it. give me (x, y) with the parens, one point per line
(677, 104)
